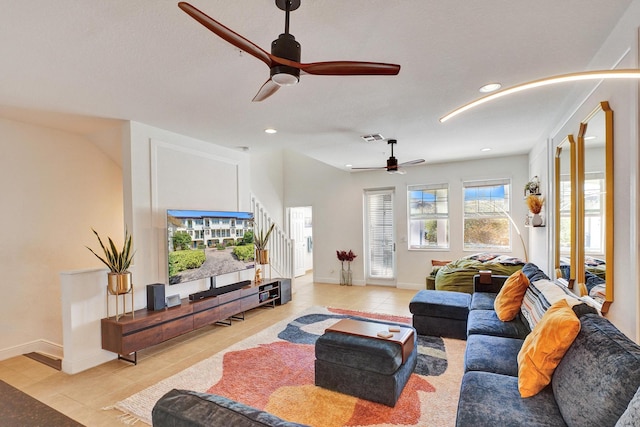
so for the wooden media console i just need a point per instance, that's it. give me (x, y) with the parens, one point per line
(145, 328)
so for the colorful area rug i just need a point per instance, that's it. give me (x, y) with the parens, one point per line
(274, 371)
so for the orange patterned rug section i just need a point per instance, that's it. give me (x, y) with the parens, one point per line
(274, 371)
(285, 388)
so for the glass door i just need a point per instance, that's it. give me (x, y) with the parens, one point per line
(380, 247)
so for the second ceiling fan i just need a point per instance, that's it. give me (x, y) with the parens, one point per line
(392, 163)
(284, 59)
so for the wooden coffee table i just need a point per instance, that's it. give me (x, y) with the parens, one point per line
(404, 337)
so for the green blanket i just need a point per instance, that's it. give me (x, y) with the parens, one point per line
(458, 275)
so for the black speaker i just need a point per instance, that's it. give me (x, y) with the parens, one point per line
(155, 297)
(285, 291)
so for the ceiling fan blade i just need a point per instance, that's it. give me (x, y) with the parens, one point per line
(268, 88)
(371, 168)
(412, 162)
(225, 33)
(350, 68)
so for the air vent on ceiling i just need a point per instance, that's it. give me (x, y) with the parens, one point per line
(373, 137)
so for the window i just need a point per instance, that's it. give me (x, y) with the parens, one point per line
(428, 216)
(486, 215)
(565, 214)
(593, 213)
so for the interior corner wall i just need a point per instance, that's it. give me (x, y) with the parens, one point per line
(337, 200)
(337, 212)
(540, 238)
(58, 186)
(166, 170)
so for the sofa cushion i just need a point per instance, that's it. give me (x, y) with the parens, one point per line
(446, 304)
(183, 408)
(545, 346)
(534, 273)
(488, 399)
(483, 300)
(540, 295)
(509, 299)
(492, 354)
(364, 353)
(486, 322)
(598, 376)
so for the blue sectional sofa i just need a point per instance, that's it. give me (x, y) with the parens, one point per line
(185, 408)
(592, 386)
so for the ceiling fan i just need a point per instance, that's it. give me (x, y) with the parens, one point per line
(392, 163)
(284, 59)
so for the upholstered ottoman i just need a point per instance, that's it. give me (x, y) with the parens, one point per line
(365, 367)
(441, 313)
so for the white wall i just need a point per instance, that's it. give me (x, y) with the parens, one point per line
(619, 51)
(337, 199)
(56, 187)
(161, 170)
(267, 183)
(172, 171)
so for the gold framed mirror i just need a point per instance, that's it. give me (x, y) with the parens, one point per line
(565, 210)
(594, 273)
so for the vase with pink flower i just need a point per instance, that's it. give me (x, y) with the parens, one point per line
(346, 275)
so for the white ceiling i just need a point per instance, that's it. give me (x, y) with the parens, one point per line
(66, 62)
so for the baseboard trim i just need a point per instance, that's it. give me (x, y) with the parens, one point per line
(78, 365)
(38, 346)
(415, 286)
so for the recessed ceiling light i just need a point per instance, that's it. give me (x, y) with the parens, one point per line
(270, 130)
(490, 87)
(348, 166)
(486, 149)
(587, 138)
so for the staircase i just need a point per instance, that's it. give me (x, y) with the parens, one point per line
(281, 249)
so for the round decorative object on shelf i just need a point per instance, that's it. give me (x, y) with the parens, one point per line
(536, 220)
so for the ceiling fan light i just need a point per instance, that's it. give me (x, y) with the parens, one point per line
(285, 79)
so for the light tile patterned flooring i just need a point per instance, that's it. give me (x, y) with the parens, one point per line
(84, 396)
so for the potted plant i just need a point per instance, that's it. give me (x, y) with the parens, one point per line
(118, 262)
(535, 203)
(260, 240)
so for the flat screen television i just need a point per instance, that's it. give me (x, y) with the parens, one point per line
(207, 244)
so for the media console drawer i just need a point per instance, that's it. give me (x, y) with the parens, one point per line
(139, 340)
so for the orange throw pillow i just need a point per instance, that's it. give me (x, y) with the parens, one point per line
(509, 299)
(545, 346)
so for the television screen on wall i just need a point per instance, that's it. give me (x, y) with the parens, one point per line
(204, 244)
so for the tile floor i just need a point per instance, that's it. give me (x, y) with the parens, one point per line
(84, 396)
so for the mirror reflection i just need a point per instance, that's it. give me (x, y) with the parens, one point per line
(596, 206)
(565, 210)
